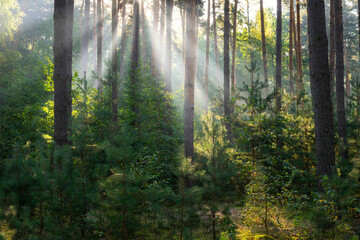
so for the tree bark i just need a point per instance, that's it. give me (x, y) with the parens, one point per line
(85, 39)
(63, 39)
(123, 40)
(233, 54)
(347, 76)
(216, 51)
(291, 52)
(320, 88)
(168, 60)
(190, 63)
(94, 37)
(99, 44)
(161, 39)
(226, 59)
(143, 31)
(278, 54)
(114, 61)
(135, 38)
(299, 56)
(263, 44)
(340, 100)
(207, 58)
(155, 36)
(332, 46)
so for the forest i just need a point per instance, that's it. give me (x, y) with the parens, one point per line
(180, 119)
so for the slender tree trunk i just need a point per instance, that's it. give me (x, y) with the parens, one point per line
(227, 65)
(300, 70)
(216, 51)
(94, 36)
(263, 45)
(99, 44)
(135, 39)
(340, 100)
(123, 40)
(291, 52)
(233, 57)
(114, 61)
(332, 45)
(168, 61)
(63, 39)
(278, 55)
(320, 88)
(347, 76)
(207, 58)
(143, 31)
(155, 37)
(161, 39)
(190, 63)
(85, 38)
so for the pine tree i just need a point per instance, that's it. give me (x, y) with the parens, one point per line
(63, 38)
(320, 88)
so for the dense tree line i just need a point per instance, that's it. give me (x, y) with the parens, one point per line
(179, 119)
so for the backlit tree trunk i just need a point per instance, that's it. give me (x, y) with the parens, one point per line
(207, 58)
(63, 39)
(263, 44)
(99, 44)
(94, 37)
(299, 56)
(291, 52)
(143, 31)
(114, 60)
(123, 40)
(216, 51)
(190, 63)
(85, 39)
(161, 39)
(278, 55)
(227, 60)
(320, 88)
(168, 62)
(155, 36)
(233, 54)
(340, 100)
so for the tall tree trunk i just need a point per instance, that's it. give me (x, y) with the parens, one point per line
(190, 63)
(340, 101)
(161, 39)
(94, 36)
(233, 54)
(227, 65)
(291, 52)
(114, 61)
(278, 55)
(332, 45)
(207, 58)
(99, 44)
(299, 56)
(216, 51)
(135, 37)
(143, 31)
(155, 37)
(320, 88)
(85, 39)
(263, 45)
(63, 39)
(123, 40)
(347, 76)
(168, 61)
